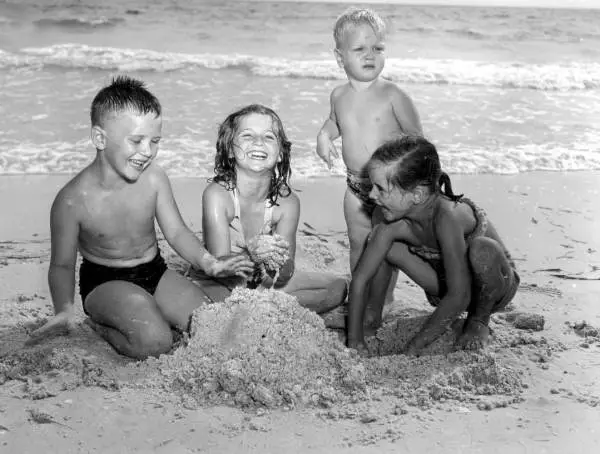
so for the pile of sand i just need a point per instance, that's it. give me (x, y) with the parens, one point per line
(260, 348)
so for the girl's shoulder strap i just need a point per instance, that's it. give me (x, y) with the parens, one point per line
(268, 216)
(236, 203)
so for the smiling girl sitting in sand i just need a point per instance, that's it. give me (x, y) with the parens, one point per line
(443, 242)
(250, 208)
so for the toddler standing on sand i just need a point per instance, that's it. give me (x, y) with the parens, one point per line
(107, 212)
(443, 242)
(365, 112)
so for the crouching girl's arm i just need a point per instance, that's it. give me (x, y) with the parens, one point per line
(378, 245)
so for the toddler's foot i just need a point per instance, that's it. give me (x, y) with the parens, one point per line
(372, 322)
(475, 336)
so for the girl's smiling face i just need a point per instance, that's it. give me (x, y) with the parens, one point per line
(256, 144)
(394, 201)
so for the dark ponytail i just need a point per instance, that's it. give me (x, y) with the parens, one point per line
(446, 187)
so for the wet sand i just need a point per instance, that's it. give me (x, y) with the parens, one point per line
(532, 390)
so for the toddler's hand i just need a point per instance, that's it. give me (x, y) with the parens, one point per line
(326, 149)
(232, 265)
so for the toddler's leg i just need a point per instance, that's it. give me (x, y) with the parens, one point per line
(358, 223)
(128, 318)
(493, 277)
(392, 276)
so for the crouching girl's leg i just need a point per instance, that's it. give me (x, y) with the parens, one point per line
(494, 285)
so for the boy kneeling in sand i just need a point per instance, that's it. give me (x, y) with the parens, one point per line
(107, 212)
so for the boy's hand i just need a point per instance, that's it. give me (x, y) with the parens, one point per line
(232, 265)
(60, 324)
(326, 149)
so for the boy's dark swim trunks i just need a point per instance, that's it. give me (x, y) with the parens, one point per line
(146, 275)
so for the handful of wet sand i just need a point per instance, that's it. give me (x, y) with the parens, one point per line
(264, 253)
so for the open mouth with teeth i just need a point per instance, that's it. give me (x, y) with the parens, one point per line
(260, 155)
(139, 164)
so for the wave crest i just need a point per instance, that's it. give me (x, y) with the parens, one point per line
(558, 76)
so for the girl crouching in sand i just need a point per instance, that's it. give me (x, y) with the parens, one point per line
(441, 241)
(250, 208)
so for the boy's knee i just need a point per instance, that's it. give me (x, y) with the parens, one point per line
(152, 340)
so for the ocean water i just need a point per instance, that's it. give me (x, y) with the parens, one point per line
(499, 90)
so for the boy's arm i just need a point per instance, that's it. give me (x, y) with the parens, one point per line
(330, 126)
(287, 227)
(64, 233)
(378, 245)
(406, 113)
(453, 248)
(183, 240)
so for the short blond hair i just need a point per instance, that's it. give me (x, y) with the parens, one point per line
(356, 16)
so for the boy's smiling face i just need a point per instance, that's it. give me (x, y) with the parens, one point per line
(362, 53)
(129, 141)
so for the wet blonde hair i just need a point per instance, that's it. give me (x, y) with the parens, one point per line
(353, 17)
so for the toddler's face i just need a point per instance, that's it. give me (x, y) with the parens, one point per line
(256, 145)
(362, 54)
(131, 142)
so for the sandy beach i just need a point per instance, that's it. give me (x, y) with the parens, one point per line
(88, 399)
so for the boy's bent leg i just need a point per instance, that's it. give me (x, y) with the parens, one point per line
(127, 316)
(493, 280)
(177, 297)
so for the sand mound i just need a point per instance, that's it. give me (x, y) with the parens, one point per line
(261, 348)
(459, 376)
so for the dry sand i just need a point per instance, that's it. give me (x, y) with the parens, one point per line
(259, 373)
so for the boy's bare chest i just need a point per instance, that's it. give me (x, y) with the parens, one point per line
(126, 213)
